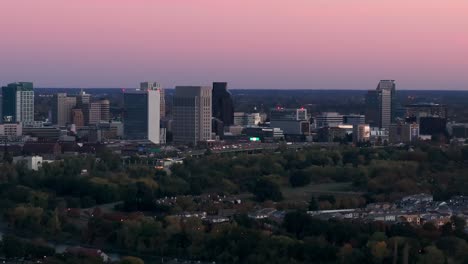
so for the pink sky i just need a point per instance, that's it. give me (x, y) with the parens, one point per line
(297, 44)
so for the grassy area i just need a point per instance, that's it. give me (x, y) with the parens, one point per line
(304, 193)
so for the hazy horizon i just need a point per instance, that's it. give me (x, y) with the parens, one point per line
(300, 45)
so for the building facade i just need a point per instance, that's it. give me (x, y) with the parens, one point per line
(18, 103)
(222, 106)
(404, 132)
(162, 95)
(192, 110)
(381, 104)
(328, 119)
(142, 114)
(62, 106)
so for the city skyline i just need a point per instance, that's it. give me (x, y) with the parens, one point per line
(255, 45)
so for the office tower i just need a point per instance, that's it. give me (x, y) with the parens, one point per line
(94, 113)
(136, 114)
(61, 109)
(142, 114)
(419, 110)
(328, 119)
(82, 102)
(82, 99)
(354, 119)
(192, 114)
(382, 104)
(291, 121)
(77, 117)
(154, 115)
(18, 103)
(223, 107)
(156, 86)
(105, 110)
(404, 132)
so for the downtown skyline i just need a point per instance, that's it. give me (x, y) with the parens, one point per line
(259, 44)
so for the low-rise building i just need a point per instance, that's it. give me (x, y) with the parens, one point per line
(31, 162)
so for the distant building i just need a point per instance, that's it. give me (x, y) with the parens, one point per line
(432, 126)
(328, 119)
(265, 134)
(11, 131)
(18, 103)
(290, 121)
(419, 110)
(156, 86)
(82, 99)
(142, 115)
(331, 134)
(381, 104)
(247, 119)
(458, 130)
(354, 119)
(361, 133)
(379, 136)
(31, 162)
(404, 132)
(43, 133)
(61, 109)
(192, 114)
(78, 117)
(222, 107)
(94, 113)
(105, 110)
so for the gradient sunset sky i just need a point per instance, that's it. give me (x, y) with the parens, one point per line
(296, 44)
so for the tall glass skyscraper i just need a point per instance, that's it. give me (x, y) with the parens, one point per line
(223, 108)
(142, 114)
(381, 104)
(18, 103)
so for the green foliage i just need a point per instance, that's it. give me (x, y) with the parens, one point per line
(265, 189)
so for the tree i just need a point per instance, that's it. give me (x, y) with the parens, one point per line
(131, 260)
(432, 255)
(265, 189)
(299, 178)
(313, 204)
(13, 247)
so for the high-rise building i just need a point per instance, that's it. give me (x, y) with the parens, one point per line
(192, 109)
(142, 114)
(105, 110)
(61, 109)
(82, 99)
(162, 95)
(382, 104)
(154, 115)
(223, 107)
(18, 103)
(78, 117)
(136, 114)
(94, 113)
(82, 102)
